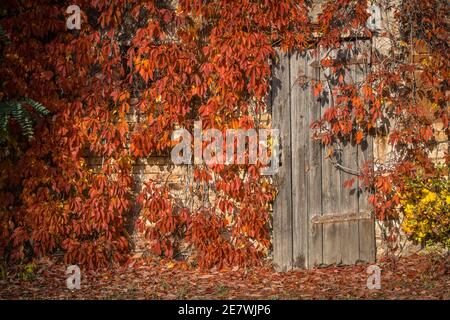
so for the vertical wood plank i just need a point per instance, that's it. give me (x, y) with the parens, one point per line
(331, 244)
(367, 243)
(314, 170)
(282, 208)
(349, 204)
(349, 196)
(331, 198)
(299, 130)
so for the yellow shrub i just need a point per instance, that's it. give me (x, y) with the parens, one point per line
(425, 204)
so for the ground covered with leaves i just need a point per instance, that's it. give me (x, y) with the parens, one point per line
(413, 277)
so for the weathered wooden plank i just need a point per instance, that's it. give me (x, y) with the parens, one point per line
(331, 193)
(298, 144)
(349, 162)
(340, 217)
(340, 242)
(349, 203)
(350, 242)
(349, 196)
(314, 171)
(330, 187)
(367, 243)
(282, 208)
(367, 250)
(331, 244)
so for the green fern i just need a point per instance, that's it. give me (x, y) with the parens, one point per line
(15, 110)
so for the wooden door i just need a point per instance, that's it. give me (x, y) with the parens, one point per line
(316, 220)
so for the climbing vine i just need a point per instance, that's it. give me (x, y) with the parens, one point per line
(137, 70)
